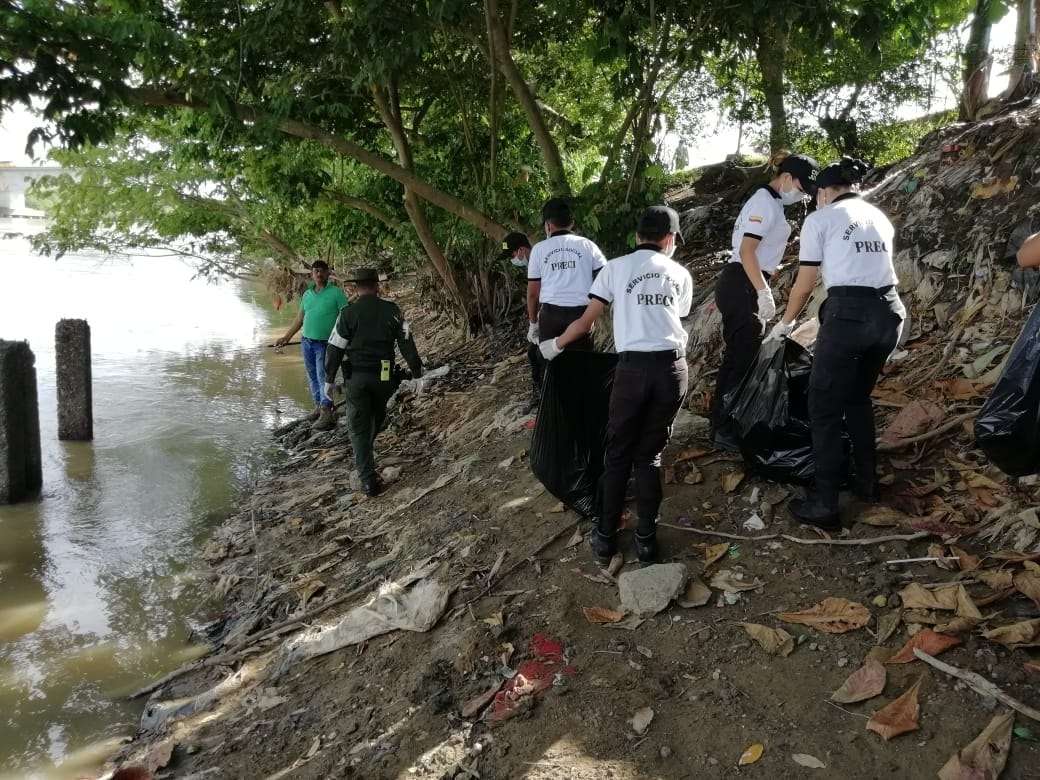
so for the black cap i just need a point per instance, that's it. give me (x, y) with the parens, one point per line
(658, 220)
(511, 243)
(558, 211)
(804, 169)
(363, 275)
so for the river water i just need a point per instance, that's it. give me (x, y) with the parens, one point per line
(97, 586)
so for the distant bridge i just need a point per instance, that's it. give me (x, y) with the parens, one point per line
(15, 180)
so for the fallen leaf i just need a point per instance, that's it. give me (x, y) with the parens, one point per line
(731, 480)
(315, 746)
(714, 552)
(690, 454)
(957, 626)
(966, 561)
(915, 596)
(879, 654)
(832, 616)
(599, 615)
(981, 481)
(887, 625)
(810, 762)
(897, 717)
(697, 594)
(473, 707)
(939, 552)
(996, 579)
(751, 755)
(1028, 584)
(558, 508)
(576, 538)
(730, 581)
(966, 607)
(915, 418)
(883, 517)
(615, 565)
(1023, 634)
(640, 722)
(774, 641)
(985, 756)
(494, 619)
(865, 683)
(931, 642)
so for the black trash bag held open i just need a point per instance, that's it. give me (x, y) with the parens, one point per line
(1008, 426)
(571, 432)
(769, 413)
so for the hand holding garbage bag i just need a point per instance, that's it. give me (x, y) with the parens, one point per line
(1008, 426)
(780, 331)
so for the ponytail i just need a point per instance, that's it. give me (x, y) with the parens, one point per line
(848, 171)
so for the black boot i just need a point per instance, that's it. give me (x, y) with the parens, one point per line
(604, 548)
(646, 546)
(373, 487)
(816, 510)
(869, 492)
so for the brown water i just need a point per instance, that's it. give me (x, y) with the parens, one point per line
(97, 586)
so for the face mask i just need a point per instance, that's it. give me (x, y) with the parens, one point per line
(791, 197)
(669, 252)
(518, 263)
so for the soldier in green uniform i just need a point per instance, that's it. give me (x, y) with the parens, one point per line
(363, 342)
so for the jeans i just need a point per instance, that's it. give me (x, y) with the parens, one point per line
(314, 360)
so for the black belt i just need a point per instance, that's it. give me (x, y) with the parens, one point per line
(666, 355)
(845, 291)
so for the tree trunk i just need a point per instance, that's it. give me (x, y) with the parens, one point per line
(297, 129)
(771, 55)
(977, 62)
(390, 112)
(1022, 58)
(525, 97)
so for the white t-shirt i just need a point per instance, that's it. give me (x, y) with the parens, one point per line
(851, 241)
(763, 218)
(649, 294)
(564, 263)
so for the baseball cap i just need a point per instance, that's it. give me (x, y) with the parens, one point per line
(657, 220)
(511, 243)
(558, 211)
(804, 169)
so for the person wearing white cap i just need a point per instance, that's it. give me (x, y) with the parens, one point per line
(649, 295)
(742, 292)
(850, 242)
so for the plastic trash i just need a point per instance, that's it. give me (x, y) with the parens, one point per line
(1008, 426)
(769, 413)
(571, 431)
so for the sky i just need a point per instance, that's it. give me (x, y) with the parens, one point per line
(718, 140)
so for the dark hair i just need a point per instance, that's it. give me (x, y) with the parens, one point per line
(844, 173)
(321, 265)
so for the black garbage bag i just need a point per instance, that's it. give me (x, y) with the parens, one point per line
(769, 413)
(1008, 426)
(571, 432)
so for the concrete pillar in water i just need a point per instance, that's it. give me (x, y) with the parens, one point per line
(21, 470)
(75, 394)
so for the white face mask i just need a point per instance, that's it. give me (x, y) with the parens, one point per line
(792, 196)
(518, 263)
(670, 251)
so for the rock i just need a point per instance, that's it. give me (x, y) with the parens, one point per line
(391, 474)
(666, 752)
(880, 601)
(648, 591)
(688, 425)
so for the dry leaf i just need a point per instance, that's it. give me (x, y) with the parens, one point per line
(915, 418)
(576, 538)
(599, 615)
(996, 579)
(714, 552)
(832, 616)
(558, 508)
(931, 642)
(730, 582)
(1023, 634)
(494, 619)
(615, 565)
(985, 756)
(774, 641)
(1028, 584)
(939, 552)
(957, 626)
(697, 594)
(865, 683)
(731, 480)
(810, 762)
(640, 722)
(689, 454)
(898, 717)
(965, 560)
(751, 755)
(966, 607)
(883, 517)
(887, 625)
(915, 596)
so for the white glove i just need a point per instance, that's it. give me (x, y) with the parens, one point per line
(766, 304)
(328, 390)
(780, 330)
(549, 349)
(532, 333)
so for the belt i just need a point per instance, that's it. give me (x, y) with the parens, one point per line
(766, 274)
(844, 291)
(666, 355)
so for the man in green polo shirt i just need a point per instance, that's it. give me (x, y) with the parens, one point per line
(319, 308)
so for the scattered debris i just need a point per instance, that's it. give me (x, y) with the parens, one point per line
(774, 641)
(810, 762)
(832, 616)
(931, 642)
(751, 754)
(865, 683)
(602, 615)
(640, 722)
(985, 756)
(532, 678)
(648, 591)
(898, 717)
